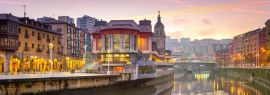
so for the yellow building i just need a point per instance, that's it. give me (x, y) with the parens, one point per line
(72, 55)
(28, 46)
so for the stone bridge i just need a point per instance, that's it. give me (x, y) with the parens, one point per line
(195, 66)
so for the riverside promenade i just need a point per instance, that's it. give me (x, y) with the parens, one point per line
(58, 81)
(48, 75)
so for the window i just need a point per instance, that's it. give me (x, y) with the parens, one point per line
(33, 33)
(53, 38)
(144, 44)
(26, 35)
(107, 44)
(127, 42)
(19, 30)
(43, 47)
(33, 46)
(116, 42)
(25, 44)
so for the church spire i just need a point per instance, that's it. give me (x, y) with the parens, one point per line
(159, 18)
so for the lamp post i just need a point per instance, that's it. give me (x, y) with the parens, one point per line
(51, 47)
(84, 59)
(108, 72)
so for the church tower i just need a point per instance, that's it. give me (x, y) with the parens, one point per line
(160, 35)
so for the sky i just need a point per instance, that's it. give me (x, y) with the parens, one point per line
(196, 19)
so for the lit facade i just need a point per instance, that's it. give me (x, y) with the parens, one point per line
(71, 45)
(249, 49)
(28, 46)
(121, 44)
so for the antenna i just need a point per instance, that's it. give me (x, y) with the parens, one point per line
(24, 10)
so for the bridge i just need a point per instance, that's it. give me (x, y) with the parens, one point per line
(193, 66)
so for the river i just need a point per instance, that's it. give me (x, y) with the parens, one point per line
(197, 83)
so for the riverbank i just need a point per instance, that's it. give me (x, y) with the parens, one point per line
(253, 77)
(66, 84)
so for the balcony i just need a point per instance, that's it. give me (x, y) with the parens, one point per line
(26, 48)
(26, 35)
(39, 50)
(59, 52)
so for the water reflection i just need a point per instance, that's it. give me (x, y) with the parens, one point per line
(207, 83)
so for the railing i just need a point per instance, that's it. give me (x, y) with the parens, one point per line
(26, 48)
(39, 50)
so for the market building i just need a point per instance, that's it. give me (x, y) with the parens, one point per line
(121, 44)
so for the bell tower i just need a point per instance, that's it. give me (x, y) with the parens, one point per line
(160, 35)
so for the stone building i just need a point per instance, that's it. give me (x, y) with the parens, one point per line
(24, 45)
(159, 37)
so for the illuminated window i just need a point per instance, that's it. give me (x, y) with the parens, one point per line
(144, 43)
(116, 42)
(127, 42)
(107, 38)
(98, 44)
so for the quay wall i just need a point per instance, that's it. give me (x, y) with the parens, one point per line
(82, 84)
(246, 72)
(40, 85)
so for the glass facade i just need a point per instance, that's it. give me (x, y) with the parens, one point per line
(116, 42)
(119, 42)
(127, 42)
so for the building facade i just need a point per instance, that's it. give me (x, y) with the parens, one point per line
(249, 49)
(86, 22)
(71, 46)
(28, 46)
(160, 37)
(66, 19)
(121, 44)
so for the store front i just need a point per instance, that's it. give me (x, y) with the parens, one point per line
(1, 64)
(14, 64)
(42, 65)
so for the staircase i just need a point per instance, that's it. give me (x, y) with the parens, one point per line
(86, 66)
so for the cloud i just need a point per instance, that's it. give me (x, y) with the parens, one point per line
(180, 21)
(174, 1)
(11, 2)
(220, 7)
(253, 11)
(206, 21)
(176, 34)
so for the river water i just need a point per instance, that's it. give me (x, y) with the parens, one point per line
(197, 83)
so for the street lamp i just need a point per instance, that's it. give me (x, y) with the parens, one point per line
(257, 60)
(51, 47)
(108, 72)
(85, 54)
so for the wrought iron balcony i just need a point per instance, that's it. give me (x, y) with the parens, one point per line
(26, 48)
(39, 50)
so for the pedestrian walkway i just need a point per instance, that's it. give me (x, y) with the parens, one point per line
(48, 75)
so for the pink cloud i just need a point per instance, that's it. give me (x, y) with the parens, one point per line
(174, 1)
